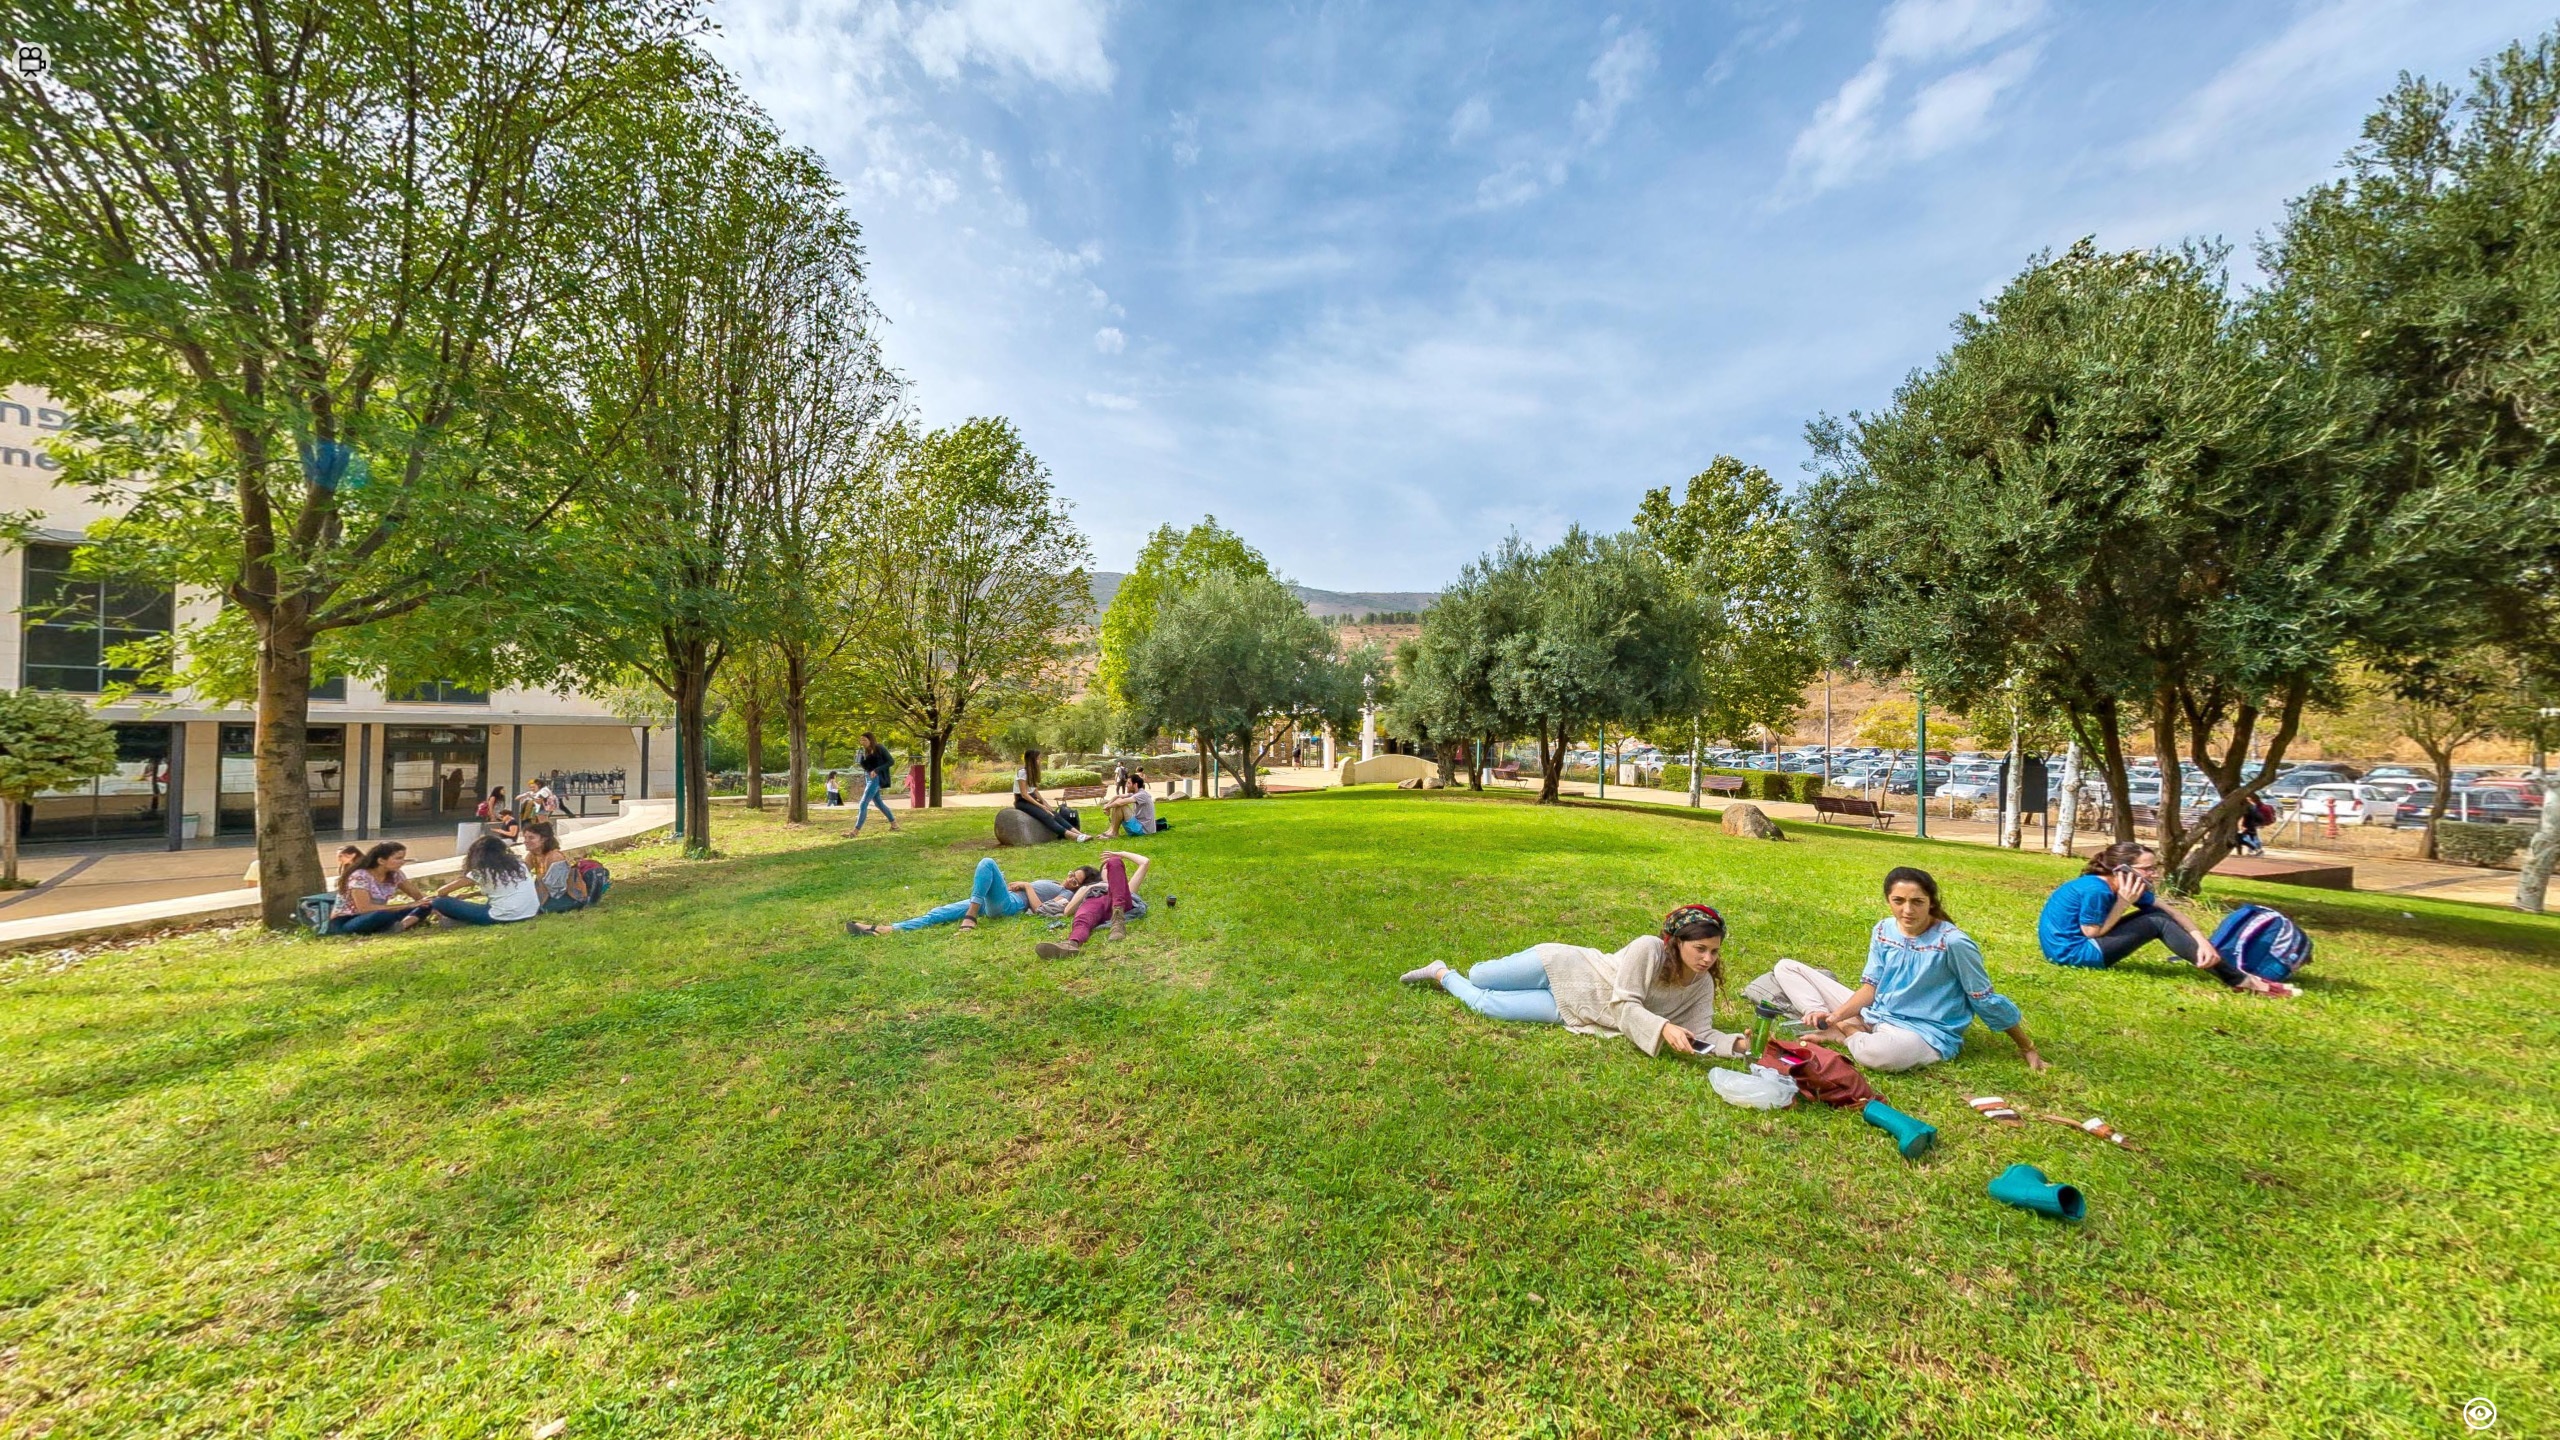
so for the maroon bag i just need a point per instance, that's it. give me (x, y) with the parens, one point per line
(1821, 1072)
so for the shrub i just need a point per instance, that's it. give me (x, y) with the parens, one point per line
(2466, 844)
(1758, 784)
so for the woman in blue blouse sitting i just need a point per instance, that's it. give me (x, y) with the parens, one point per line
(1924, 983)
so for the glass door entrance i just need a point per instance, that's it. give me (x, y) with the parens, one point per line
(432, 773)
(236, 786)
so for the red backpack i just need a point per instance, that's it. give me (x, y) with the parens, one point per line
(1821, 1072)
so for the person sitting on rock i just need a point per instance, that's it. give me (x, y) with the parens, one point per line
(1924, 984)
(1656, 990)
(1028, 799)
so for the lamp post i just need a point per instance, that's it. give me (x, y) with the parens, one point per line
(1920, 764)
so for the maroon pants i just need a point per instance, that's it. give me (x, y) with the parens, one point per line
(1113, 901)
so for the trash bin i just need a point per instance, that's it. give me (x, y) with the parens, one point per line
(915, 787)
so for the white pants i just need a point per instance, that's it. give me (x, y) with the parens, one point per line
(1884, 1047)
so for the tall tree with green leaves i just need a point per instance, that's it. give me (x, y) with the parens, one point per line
(1170, 562)
(289, 263)
(965, 577)
(1227, 655)
(1733, 539)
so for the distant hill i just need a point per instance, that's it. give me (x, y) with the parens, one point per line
(1106, 583)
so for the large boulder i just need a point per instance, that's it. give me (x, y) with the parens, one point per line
(1015, 828)
(1751, 820)
(1391, 770)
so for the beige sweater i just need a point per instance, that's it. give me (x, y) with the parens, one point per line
(1603, 994)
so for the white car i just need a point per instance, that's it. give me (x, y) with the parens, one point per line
(2346, 803)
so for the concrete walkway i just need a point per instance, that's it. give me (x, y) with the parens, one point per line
(199, 902)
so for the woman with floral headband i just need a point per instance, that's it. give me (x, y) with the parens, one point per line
(1656, 990)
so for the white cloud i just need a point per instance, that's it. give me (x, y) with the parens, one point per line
(1615, 78)
(2322, 43)
(1103, 400)
(1186, 139)
(1845, 139)
(1109, 340)
(1754, 40)
(1057, 42)
(1953, 110)
(1470, 120)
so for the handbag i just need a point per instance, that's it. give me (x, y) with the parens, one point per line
(1819, 1071)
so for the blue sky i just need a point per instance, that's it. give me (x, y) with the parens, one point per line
(1376, 284)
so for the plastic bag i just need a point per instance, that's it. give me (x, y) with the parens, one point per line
(1758, 1088)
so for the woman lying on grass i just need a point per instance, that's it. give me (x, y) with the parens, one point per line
(1656, 990)
(1115, 899)
(993, 896)
(1924, 983)
(2110, 912)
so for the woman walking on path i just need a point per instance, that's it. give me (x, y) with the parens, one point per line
(1924, 983)
(1656, 990)
(875, 778)
(2110, 912)
(506, 887)
(367, 888)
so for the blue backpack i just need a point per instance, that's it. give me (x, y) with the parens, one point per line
(2263, 942)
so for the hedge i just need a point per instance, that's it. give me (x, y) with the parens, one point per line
(2467, 844)
(1758, 784)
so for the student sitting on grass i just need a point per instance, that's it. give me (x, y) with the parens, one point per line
(2110, 912)
(497, 817)
(367, 889)
(1924, 983)
(507, 890)
(564, 885)
(1114, 898)
(992, 896)
(1656, 990)
(1133, 810)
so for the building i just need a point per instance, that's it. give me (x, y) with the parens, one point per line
(418, 760)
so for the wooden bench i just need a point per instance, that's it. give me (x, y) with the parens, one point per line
(1507, 770)
(1081, 792)
(1826, 807)
(1723, 784)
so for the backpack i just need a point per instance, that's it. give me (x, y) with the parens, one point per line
(1821, 1072)
(592, 876)
(315, 911)
(2264, 942)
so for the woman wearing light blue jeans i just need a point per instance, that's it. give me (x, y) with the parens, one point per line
(1657, 990)
(990, 895)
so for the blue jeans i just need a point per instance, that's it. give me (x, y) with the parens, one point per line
(986, 891)
(372, 922)
(1511, 988)
(871, 797)
(464, 912)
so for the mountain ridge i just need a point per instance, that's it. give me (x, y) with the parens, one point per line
(1320, 603)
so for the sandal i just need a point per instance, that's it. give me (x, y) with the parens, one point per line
(968, 922)
(2278, 990)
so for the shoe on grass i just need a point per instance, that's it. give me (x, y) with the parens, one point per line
(1056, 949)
(1428, 975)
(1119, 927)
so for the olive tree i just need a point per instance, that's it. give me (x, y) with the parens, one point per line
(47, 742)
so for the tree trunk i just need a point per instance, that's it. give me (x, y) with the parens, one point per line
(934, 743)
(288, 853)
(795, 717)
(1248, 784)
(2066, 824)
(9, 842)
(2535, 878)
(2109, 743)
(2215, 833)
(1550, 762)
(2013, 790)
(2442, 756)
(2170, 834)
(752, 712)
(693, 683)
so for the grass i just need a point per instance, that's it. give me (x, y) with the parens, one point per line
(696, 1164)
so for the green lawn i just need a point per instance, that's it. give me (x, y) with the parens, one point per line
(697, 1164)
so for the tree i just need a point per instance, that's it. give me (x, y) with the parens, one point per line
(2444, 702)
(965, 575)
(2422, 281)
(1229, 653)
(1451, 682)
(295, 259)
(751, 688)
(1609, 637)
(1894, 724)
(1733, 539)
(2134, 506)
(47, 742)
(1170, 562)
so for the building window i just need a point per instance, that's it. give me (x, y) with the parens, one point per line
(333, 688)
(71, 621)
(439, 692)
(129, 803)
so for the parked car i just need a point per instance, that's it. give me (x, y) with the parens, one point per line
(2476, 806)
(2348, 803)
(1968, 788)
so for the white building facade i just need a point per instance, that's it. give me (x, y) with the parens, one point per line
(420, 760)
